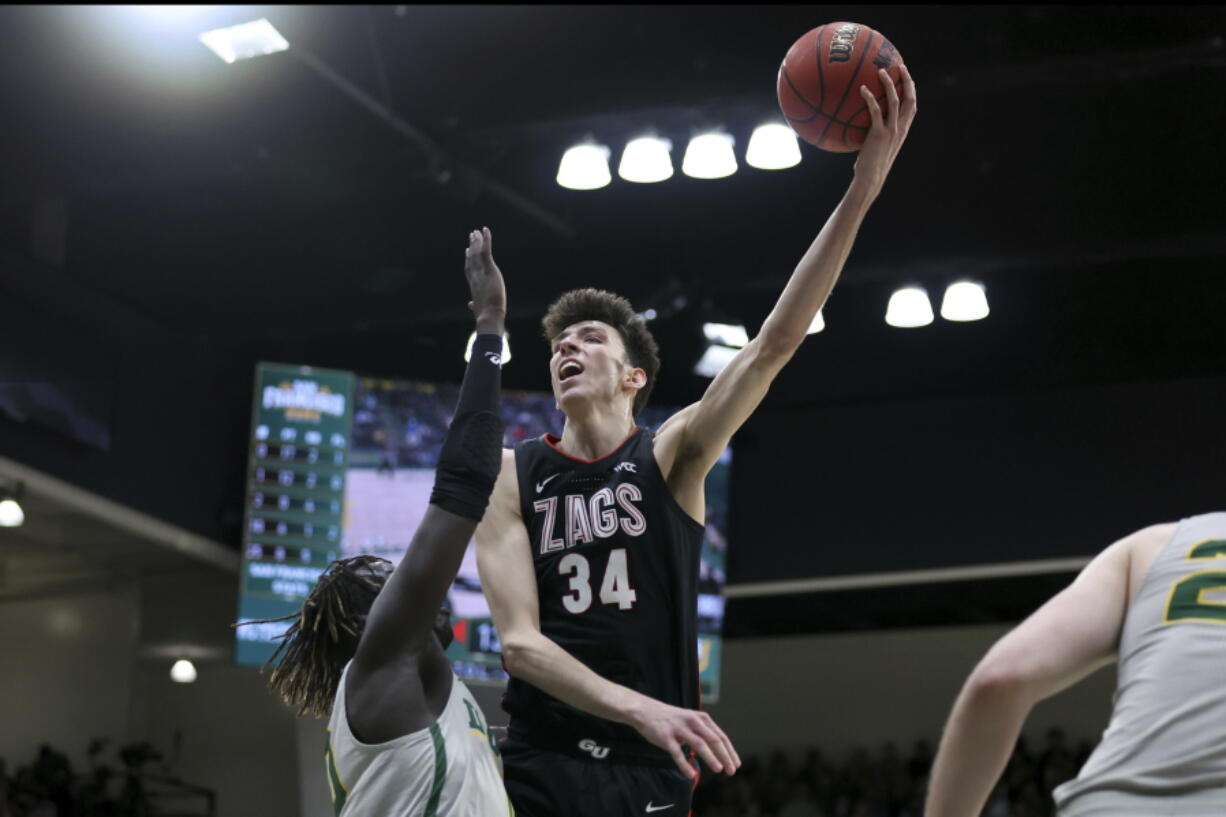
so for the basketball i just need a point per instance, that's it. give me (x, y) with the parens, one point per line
(820, 78)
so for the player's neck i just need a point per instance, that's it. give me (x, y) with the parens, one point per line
(593, 434)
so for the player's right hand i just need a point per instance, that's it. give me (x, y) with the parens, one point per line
(485, 286)
(671, 727)
(888, 128)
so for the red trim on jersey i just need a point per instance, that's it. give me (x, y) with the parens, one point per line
(553, 441)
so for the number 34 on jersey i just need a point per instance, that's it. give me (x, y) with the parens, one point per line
(586, 519)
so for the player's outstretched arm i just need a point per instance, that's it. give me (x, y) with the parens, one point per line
(504, 559)
(398, 641)
(1066, 639)
(702, 433)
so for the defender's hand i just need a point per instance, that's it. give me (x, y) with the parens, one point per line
(485, 285)
(888, 130)
(669, 727)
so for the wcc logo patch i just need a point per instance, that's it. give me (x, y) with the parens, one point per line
(626, 466)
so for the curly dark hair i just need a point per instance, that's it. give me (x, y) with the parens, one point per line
(589, 304)
(315, 648)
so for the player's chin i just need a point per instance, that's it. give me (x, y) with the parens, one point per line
(568, 391)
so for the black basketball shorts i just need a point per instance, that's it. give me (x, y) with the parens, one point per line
(542, 783)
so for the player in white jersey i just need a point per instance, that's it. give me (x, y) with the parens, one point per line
(1156, 600)
(406, 738)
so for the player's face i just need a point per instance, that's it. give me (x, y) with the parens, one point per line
(588, 363)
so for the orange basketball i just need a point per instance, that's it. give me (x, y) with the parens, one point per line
(820, 78)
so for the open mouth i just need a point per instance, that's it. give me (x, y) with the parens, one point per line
(568, 370)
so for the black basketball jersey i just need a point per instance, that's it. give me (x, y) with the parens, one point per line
(616, 563)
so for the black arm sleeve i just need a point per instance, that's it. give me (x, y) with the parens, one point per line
(472, 450)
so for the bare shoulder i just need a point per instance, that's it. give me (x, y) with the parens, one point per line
(1153, 536)
(1135, 553)
(1145, 545)
(1141, 543)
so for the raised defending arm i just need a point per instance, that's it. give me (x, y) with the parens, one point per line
(398, 655)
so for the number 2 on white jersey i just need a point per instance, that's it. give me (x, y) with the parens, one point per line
(614, 588)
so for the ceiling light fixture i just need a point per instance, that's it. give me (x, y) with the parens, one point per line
(727, 334)
(772, 147)
(11, 513)
(645, 160)
(964, 301)
(584, 167)
(724, 340)
(714, 359)
(909, 307)
(244, 41)
(183, 672)
(709, 156)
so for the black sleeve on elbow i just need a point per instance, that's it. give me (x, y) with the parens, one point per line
(469, 464)
(472, 451)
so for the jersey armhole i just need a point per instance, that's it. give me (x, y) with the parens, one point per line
(1151, 572)
(668, 491)
(521, 474)
(408, 738)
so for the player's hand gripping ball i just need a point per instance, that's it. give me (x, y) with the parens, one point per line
(820, 78)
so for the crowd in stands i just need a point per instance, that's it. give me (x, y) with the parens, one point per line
(811, 784)
(406, 421)
(48, 787)
(888, 784)
(44, 788)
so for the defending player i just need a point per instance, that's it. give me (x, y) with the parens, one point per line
(1156, 600)
(589, 553)
(406, 737)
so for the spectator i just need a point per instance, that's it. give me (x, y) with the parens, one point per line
(883, 786)
(893, 778)
(6, 790)
(920, 762)
(800, 802)
(998, 802)
(1056, 765)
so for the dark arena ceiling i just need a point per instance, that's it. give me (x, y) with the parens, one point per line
(311, 206)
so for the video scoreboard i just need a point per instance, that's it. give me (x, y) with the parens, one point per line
(298, 454)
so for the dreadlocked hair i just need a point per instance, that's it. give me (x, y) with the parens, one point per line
(324, 635)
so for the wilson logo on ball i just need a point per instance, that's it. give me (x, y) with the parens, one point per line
(842, 42)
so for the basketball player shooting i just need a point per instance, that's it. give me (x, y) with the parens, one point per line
(589, 553)
(1156, 601)
(406, 737)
